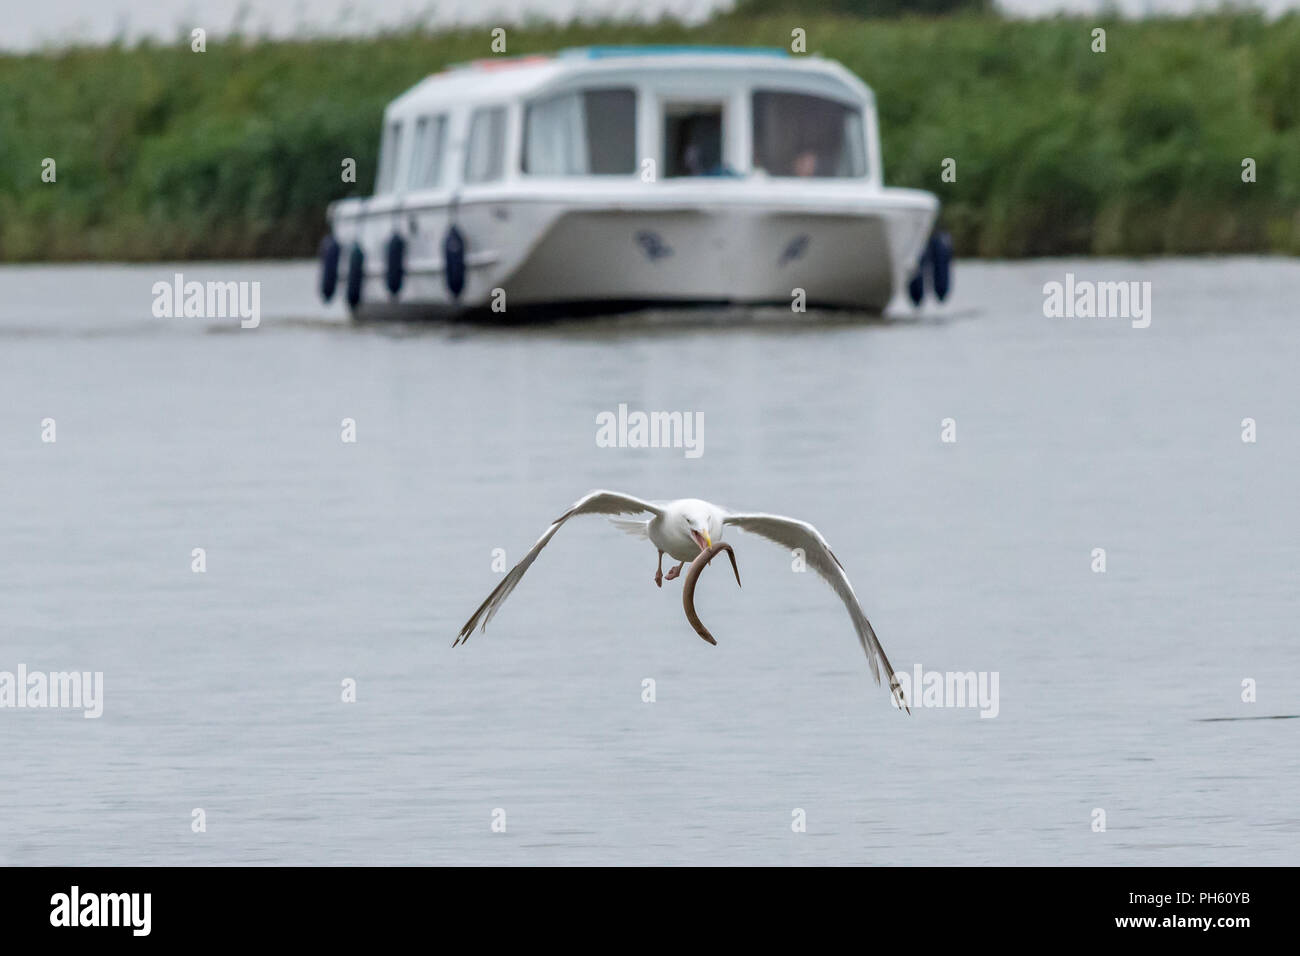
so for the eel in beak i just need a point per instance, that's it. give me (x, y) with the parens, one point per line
(693, 574)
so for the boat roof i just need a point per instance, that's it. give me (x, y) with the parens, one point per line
(507, 77)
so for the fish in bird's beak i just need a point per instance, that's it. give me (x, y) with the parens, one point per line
(702, 539)
(693, 575)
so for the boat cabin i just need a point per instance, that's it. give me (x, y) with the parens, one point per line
(652, 113)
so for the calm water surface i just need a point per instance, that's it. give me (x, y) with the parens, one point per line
(329, 561)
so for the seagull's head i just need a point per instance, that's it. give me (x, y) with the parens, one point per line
(697, 526)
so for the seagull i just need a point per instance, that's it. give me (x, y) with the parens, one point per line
(684, 528)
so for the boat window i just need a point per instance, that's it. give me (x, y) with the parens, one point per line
(485, 156)
(587, 132)
(426, 152)
(693, 140)
(800, 135)
(389, 149)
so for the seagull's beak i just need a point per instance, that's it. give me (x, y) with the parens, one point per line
(702, 539)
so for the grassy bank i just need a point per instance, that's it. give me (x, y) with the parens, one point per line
(165, 153)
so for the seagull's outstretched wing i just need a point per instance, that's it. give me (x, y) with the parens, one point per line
(594, 503)
(792, 534)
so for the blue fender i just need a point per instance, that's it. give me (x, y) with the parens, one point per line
(940, 253)
(916, 285)
(395, 266)
(916, 289)
(356, 277)
(329, 267)
(453, 257)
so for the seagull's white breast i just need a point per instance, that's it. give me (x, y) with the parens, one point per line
(670, 534)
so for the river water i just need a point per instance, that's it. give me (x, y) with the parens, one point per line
(1119, 692)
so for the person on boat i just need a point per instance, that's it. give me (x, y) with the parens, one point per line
(805, 164)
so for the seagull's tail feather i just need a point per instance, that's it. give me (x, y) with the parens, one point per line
(638, 529)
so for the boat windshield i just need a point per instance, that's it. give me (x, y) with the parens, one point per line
(582, 133)
(796, 134)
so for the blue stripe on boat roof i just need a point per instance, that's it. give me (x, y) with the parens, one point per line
(601, 52)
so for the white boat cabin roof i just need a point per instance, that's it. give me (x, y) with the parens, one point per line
(499, 79)
(610, 112)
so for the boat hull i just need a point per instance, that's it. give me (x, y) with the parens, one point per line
(534, 253)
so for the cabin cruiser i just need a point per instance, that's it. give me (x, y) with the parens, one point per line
(606, 176)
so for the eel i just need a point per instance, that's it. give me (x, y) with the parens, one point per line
(693, 574)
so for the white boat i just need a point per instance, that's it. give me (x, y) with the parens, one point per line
(609, 176)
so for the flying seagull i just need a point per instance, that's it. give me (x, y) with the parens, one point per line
(684, 528)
